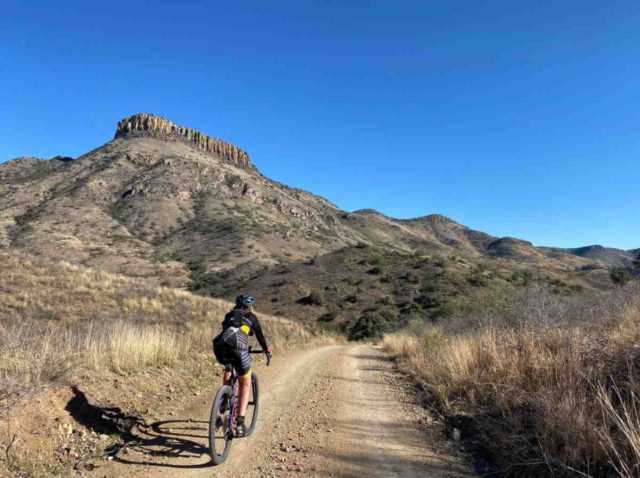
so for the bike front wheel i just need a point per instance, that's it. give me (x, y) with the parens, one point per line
(220, 433)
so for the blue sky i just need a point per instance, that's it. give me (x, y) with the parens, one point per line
(516, 118)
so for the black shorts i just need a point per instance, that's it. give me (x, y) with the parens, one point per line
(232, 350)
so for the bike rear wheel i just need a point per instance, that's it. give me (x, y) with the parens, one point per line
(220, 433)
(254, 405)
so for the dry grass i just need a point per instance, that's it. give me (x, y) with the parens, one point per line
(544, 399)
(61, 324)
(57, 319)
(622, 415)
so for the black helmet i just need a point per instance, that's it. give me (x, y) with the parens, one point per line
(245, 301)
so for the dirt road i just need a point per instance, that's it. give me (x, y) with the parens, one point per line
(335, 411)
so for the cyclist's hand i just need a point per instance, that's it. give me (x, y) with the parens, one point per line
(269, 350)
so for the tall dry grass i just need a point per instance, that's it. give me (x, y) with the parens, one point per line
(542, 396)
(58, 319)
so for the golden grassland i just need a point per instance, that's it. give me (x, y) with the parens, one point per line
(540, 399)
(57, 319)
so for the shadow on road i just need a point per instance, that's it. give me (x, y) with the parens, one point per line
(140, 443)
(107, 420)
(365, 356)
(170, 439)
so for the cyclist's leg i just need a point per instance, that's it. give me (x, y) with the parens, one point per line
(244, 386)
(243, 367)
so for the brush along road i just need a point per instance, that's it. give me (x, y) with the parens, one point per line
(334, 411)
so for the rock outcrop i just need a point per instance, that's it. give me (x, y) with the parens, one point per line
(145, 124)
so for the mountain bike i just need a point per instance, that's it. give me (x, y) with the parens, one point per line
(224, 414)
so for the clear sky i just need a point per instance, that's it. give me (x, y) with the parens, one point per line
(518, 118)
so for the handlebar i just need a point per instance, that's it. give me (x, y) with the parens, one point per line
(260, 351)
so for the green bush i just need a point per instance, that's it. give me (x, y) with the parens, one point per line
(370, 325)
(620, 275)
(328, 317)
(231, 180)
(412, 311)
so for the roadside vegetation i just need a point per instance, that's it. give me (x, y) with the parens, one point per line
(539, 383)
(71, 335)
(57, 320)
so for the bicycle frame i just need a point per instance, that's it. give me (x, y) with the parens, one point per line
(235, 400)
(235, 396)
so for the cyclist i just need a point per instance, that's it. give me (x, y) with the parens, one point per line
(231, 348)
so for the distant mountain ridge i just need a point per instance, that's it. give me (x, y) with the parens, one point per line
(607, 255)
(164, 202)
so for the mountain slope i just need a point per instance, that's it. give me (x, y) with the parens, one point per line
(163, 202)
(605, 255)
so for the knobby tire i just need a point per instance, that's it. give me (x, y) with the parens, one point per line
(224, 438)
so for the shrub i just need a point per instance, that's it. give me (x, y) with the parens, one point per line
(369, 325)
(351, 299)
(411, 277)
(477, 280)
(620, 275)
(378, 261)
(524, 277)
(314, 298)
(428, 301)
(232, 180)
(328, 317)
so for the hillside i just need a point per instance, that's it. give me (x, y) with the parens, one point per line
(604, 255)
(161, 201)
(354, 285)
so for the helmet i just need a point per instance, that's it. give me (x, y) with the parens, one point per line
(245, 301)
